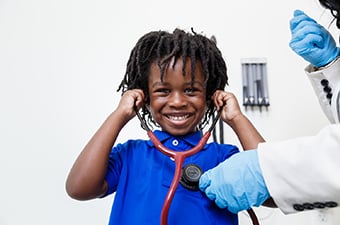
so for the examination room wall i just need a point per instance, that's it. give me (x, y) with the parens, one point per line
(61, 63)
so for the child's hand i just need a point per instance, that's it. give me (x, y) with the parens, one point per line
(129, 100)
(228, 101)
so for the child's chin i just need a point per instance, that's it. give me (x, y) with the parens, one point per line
(179, 132)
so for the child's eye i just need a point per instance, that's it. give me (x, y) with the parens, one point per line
(190, 90)
(162, 90)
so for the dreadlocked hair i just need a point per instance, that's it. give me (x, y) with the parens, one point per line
(161, 47)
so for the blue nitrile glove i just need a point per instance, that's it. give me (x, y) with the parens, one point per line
(312, 41)
(237, 183)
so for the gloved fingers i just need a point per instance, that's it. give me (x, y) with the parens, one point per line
(308, 44)
(299, 17)
(307, 26)
(204, 181)
(210, 193)
(221, 203)
(231, 204)
(298, 12)
(310, 36)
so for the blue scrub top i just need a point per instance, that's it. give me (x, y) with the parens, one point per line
(140, 176)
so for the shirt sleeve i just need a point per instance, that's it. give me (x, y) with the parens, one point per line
(114, 167)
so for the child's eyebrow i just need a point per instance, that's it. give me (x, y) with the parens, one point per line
(159, 83)
(198, 83)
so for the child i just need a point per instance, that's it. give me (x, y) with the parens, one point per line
(176, 80)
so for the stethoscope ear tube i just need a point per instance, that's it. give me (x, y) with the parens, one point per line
(253, 217)
(179, 158)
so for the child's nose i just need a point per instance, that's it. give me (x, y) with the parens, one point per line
(177, 100)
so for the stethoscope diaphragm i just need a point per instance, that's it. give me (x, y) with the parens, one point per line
(190, 176)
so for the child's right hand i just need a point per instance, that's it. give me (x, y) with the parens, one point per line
(130, 99)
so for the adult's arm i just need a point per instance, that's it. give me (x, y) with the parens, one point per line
(303, 173)
(326, 84)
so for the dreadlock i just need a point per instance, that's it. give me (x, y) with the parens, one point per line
(161, 47)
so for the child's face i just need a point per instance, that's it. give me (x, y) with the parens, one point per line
(175, 104)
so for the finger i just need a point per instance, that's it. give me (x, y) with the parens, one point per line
(298, 12)
(139, 98)
(309, 35)
(218, 99)
(223, 98)
(307, 44)
(204, 181)
(210, 194)
(298, 25)
(299, 19)
(307, 28)
(221, 203)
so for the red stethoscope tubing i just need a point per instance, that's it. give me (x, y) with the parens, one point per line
(179, 158)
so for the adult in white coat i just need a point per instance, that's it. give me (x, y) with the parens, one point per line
(298, 174)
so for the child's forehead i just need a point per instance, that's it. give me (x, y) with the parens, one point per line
(178, 64)
(176, 67)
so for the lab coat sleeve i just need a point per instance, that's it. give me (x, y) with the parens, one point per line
(326, 81)
(303, 173)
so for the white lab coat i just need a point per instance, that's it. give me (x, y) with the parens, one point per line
(304, 173)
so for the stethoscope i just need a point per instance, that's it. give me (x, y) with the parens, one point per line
(188, 176)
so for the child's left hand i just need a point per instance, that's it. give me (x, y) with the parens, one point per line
(228, 101)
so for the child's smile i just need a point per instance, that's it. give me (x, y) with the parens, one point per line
(177, 104)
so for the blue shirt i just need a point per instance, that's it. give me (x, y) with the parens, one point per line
(141, 176)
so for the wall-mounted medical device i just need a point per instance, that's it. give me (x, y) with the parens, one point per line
(255, 83)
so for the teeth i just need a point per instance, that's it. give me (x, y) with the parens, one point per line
(178, 118)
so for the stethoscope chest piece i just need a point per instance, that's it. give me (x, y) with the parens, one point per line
(190, 176)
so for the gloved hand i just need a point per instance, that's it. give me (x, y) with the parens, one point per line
(237, 183)
(312, 41)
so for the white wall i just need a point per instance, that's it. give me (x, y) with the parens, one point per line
(61, 62)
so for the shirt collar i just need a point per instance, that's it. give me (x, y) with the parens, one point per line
(191, 139)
